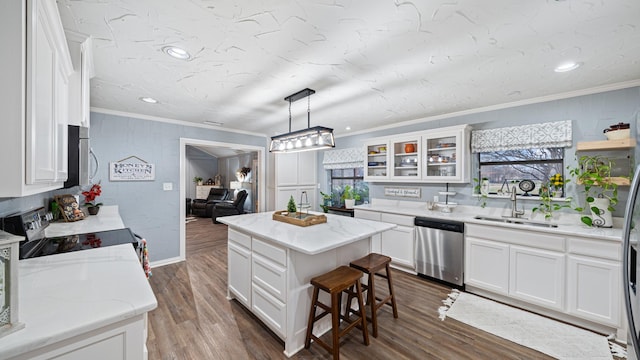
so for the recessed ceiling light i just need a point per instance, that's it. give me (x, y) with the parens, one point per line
(348, 128)
(568, 66)
(176, 52)
(148, 100)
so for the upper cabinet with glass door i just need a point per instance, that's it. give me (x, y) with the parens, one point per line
(447, 156)
(406, 152)
(375, 167)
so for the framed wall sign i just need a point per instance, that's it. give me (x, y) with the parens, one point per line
(402, 192)
(123, 170)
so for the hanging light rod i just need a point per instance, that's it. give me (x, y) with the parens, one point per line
(311, 138)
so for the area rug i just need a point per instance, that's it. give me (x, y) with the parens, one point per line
(548, 336)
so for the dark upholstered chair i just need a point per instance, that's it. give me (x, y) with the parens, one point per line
(204, 207)
(227, 208)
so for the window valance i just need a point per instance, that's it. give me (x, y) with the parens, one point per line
(344, 158)
(552, 134)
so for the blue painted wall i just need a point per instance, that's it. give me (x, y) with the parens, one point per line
(590, 115)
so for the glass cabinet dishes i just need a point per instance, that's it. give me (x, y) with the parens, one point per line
(376, 162)
(436, 156)
(406, 157)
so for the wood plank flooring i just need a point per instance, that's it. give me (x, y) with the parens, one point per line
(194, 320)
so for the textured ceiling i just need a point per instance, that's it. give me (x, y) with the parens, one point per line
(372, 63)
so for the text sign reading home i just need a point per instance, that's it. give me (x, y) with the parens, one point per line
(403, 192)
(119, 171)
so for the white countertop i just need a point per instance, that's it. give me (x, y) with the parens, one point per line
(337, 231)
(567, 224)
(65, 295)
(107, 219)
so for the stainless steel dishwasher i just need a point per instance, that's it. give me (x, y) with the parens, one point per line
(440, 249)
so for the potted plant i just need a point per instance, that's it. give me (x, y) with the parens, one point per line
(548, 191)
(482, 190)
(326, 202)
(601, 193)
(350, 195)
(90, 197)
(197, 180)
(291, 206)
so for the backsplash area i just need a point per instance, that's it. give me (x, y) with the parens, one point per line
(16, 205)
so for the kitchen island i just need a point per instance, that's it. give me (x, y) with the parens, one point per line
(270, 264)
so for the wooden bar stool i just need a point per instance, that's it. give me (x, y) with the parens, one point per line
(335, 282)
(371, 265)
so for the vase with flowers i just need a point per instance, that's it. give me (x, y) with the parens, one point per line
(90, 199)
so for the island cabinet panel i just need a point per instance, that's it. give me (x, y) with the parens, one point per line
(269, 276)
(239, 272)
(537, 276)
(270, 310)
(487, 265)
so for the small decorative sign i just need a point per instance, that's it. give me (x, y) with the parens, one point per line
(132, 171)
(402, 192)
(69, 207)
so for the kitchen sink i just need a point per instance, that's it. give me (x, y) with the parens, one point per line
(520, 221)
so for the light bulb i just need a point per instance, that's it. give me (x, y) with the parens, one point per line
(298, 143)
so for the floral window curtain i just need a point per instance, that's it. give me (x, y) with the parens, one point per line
(344, 158)
(553, 134)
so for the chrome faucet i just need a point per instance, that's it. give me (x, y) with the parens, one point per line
(515, 213)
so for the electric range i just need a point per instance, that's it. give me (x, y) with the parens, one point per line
(32, 225)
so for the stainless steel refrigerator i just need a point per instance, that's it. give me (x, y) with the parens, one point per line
(630, 267)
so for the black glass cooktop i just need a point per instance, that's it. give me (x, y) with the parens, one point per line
(63, 244)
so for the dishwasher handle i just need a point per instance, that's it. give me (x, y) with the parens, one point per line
(447, 225)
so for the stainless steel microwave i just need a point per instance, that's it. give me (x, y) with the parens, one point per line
(79, 165)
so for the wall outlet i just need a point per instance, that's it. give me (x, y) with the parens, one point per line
(167, 186)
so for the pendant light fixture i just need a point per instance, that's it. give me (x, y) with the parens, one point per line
(311, 138)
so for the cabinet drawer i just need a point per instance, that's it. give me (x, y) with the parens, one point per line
(270, 310)
(398, 219)
(518, 237)
(595, 248)
(270, 251)
(367, 215)
(270, 276)
(239, 238)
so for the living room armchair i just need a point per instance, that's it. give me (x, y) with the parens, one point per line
(227, 208)
(204, 207)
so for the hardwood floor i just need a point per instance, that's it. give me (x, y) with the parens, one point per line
(194, 320)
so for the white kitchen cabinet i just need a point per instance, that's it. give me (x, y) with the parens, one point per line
(35, 65)
(406, 155)
(80, 48)
(240, 272)
(121, 341)
(487, 265)
(594, 289)
(537, 276)
(397, 243)
(375, 167)
(293, 169)
(433, 156)
(447, 155)
(284, 193)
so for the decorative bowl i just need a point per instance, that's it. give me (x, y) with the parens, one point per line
(618, 134)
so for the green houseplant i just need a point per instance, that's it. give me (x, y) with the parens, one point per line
(548, 191)
(600, 190)
(197, 180)
(481, 190)
(326, 201)
(349, 196)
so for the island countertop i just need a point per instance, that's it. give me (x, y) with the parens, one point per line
(65, 295)
(311, 240)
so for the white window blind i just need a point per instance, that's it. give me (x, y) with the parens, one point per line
(344, 158)
(544, 135)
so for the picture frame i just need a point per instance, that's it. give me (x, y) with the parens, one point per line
(69, 208)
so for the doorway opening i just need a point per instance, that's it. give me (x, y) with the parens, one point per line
(228, 152)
